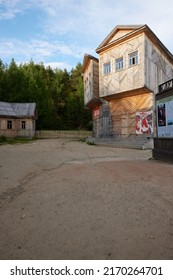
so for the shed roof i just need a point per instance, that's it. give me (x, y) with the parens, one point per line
(17, 109)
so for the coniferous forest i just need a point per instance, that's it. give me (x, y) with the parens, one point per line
(57, 93)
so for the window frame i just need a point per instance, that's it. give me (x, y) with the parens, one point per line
(107, 68)
(23, 125)
(133, 58)
(9, 124)
(119, 64)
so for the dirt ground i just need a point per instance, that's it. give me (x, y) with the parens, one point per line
(61, 199)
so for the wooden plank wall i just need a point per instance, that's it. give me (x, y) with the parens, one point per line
(123, 112)
(157, 67)
(95, 79)
(91, 81)
(129, 78)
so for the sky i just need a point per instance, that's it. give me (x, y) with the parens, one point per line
(59, 32)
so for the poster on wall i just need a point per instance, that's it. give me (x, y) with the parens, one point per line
(144, 122)
(165, 117)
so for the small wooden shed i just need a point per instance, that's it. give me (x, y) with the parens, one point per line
(17, 119)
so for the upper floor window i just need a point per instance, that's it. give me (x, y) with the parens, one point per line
(133, 58)
(9, 124)
(106, 68)
(119, 64)
(23, 124)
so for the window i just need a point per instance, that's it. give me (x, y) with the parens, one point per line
(23, 124)
(9, 124)
(106, 68)
(33, 124)
(133, 58)
(119, 64)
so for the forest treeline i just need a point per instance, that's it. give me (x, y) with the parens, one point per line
(57, 93)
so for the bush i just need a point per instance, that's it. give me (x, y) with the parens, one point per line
(3, 139)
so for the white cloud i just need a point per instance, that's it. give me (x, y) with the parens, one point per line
(59, 65)
(93, 20)
(158, 15)
(10, 8)
(34, 48)
(79, 26)
(41, 51)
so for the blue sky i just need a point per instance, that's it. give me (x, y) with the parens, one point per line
(59, 32)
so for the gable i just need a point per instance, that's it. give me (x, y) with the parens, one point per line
(120, 31)
(119, 34)
(86, 61)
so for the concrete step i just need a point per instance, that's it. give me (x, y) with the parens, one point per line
(134, 142)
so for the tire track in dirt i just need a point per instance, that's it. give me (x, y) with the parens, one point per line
(11, 194)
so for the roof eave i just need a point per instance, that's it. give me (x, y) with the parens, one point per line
(115, 30)
(152, 36)
(104, 45)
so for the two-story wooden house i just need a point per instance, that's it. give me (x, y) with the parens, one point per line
(132, 63)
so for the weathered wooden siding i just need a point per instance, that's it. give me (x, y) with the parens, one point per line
(17, 130)
(102, 122)
(87, 83)
(91, 81)
(63, 134)
(129, 78)
(95, 79)
(29, 130)
(157, 67)
(123, 112)
(120, 34)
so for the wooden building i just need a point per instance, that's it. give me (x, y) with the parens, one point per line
(17, 119)
(132, 63)
(92, 100)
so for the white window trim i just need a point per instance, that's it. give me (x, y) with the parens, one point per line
(110, 67)
(120, 63)
(134, 58)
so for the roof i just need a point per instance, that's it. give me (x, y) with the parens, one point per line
(17, 109)
(116, 30)
(87, 58)
(133, 30)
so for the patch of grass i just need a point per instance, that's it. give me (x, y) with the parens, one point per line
(90, 143)
(82, 139)
(3, 139)
(20, 140)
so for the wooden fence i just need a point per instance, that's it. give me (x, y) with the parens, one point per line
(67, 134)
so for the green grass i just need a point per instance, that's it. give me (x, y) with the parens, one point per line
(21, 140)
(90, 143)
